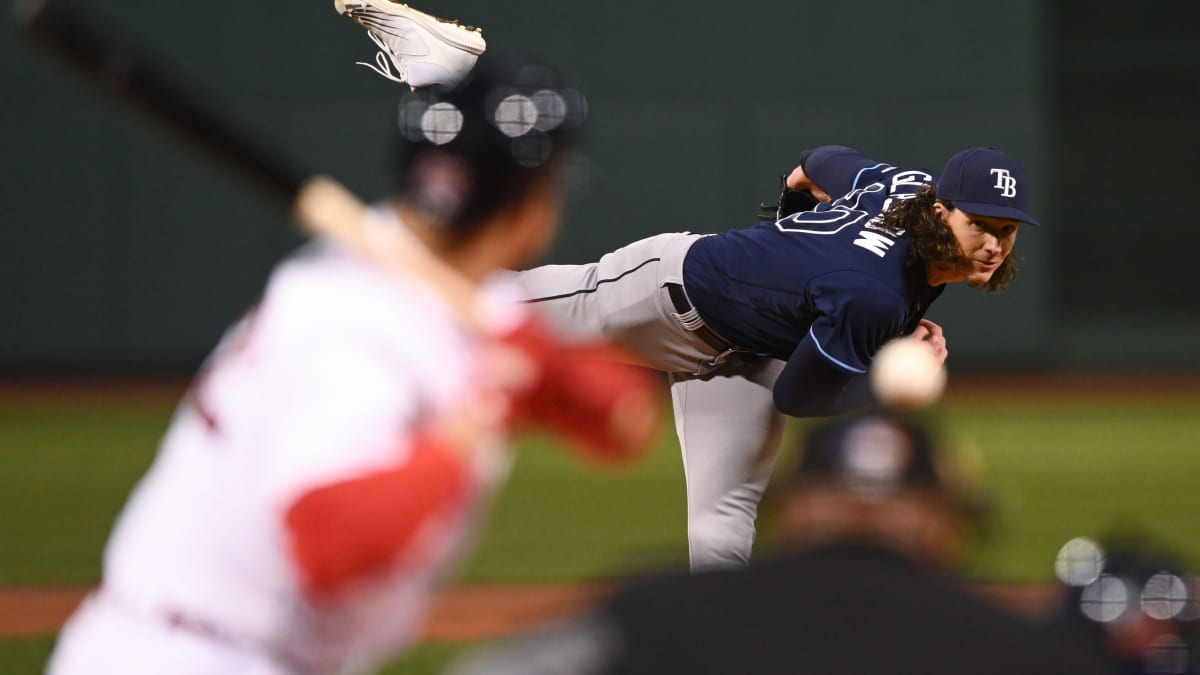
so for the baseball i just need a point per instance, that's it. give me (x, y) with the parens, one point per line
(907, 375)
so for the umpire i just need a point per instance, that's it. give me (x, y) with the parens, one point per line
(871, 521)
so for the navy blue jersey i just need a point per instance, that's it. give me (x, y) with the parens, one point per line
(831, 274)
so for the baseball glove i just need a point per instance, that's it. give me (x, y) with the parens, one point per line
(789, 202)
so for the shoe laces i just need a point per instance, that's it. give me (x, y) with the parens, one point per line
(385, 60)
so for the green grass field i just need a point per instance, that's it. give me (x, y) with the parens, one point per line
(1056, 468)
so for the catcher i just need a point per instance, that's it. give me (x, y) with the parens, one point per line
(872, 521)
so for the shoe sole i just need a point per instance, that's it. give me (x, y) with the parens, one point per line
(453, 34)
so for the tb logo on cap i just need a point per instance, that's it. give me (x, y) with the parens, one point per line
(1006, 183)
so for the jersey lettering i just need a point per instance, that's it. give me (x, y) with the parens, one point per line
(909, 181)
(874, 242)
(843, 213)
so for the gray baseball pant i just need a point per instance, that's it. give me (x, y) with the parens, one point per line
(725, 417)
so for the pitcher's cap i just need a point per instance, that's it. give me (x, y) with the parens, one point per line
(986, 182)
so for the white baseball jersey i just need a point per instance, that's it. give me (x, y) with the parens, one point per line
(312, 400)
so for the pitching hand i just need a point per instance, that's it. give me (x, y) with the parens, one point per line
(931, 333)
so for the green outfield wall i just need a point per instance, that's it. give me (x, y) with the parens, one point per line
(122, 250)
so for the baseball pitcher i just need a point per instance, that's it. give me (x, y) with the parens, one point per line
(782, 317)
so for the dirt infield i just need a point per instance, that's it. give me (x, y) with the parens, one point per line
(462, 614)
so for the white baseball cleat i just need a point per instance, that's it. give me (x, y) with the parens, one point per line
(422, 49)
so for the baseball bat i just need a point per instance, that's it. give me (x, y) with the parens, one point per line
(134, 74)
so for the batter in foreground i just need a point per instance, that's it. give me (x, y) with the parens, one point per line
(327, 470)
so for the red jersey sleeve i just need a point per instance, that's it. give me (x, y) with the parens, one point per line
(341, 531)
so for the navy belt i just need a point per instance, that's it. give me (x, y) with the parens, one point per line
(683, 306)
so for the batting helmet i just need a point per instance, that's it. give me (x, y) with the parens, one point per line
(467, 151)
